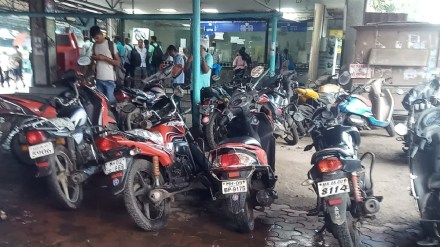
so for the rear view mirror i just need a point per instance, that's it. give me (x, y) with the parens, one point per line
(401, 129)
(257, 71)
(344, 78)
(84, 61)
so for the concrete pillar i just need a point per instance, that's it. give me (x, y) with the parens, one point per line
(354, 16)
(44, 64)
(273, 45)
(316, 39)
(196, 62)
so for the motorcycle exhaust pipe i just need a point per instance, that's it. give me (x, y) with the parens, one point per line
(81, 176)
(266, 197)
(371, 206)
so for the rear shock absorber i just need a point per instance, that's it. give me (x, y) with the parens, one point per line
(356, 187)
(156, 170)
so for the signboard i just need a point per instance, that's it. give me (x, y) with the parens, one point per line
(140, 33)
(211, 27)
(291, 26)
(360, 71)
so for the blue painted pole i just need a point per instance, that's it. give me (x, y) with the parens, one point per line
(273, 45)
(196, 62)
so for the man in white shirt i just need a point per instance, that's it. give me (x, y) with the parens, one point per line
(142, 70)
(129, 70)
(105, 55)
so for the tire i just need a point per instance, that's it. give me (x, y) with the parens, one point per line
(142, 170)
(347, 234)
(22, 156)
(212, 131)
(293, 137)
(59, 182)
(245, 221)
(390, 129)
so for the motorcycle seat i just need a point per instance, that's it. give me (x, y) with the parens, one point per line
(334, 151)
(363, 99)
(242, 139)
(434, 181)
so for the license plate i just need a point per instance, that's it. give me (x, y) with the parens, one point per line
(40, 150)
(333, 187)
(115, 165)
(235, 186)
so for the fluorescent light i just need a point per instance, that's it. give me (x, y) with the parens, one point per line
(168, 10)
(186, 25)
(136, 11)
(290, 16)
(287, 10)
(210, 10)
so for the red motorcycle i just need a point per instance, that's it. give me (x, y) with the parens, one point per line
(150, 167)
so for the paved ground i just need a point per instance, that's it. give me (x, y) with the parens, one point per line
(102, 221)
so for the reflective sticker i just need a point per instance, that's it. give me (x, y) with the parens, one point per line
(337, 215)
(115, 182)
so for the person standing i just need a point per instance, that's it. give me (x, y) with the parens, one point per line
(4, 68)
(17, 61)
(142, 69)
(87, 47)
(239, 64)
(129, 70)
(119, 45)
(156, 54)
(147, 61)
(180, 80)
(106, 58)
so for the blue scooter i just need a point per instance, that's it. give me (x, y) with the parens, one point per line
(374, 112)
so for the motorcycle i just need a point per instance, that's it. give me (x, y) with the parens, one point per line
(423, 149)
(132, 104)
(243, 164)
(63, 148)
(344, 189)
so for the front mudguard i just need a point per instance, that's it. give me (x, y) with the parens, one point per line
(338, 212)
(235, 203)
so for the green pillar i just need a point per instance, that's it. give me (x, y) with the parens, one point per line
(196, 62)
(273, 45)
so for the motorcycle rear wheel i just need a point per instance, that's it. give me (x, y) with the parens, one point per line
(245, 220)
(347, 234)
(146, 215)
(66, 194)
(292, 138)
(212, 131)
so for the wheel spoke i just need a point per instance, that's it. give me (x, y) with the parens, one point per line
(147, 210)
(141, 180)
(141, 192)
(60, 166)
(64, 186)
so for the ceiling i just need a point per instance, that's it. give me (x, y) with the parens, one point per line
(223, 6)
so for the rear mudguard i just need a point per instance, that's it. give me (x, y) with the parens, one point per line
(338, 212)
(119, 179)
(235, 202)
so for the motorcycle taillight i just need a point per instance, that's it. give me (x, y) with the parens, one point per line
(207, 102)
(121, 96)
(330, 164)
(106, 144)
(236, 159)
(35, 136)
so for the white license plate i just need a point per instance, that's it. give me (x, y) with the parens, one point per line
(235, 186)
(333, 187)
(115, 165)
(40, 150)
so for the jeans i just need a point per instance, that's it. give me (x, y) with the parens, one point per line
(141, 73)
(108, 89)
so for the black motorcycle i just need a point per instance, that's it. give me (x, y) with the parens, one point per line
(342, 184)
(423, 142)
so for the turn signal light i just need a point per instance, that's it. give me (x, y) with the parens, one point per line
(329, 164)
(35, 136)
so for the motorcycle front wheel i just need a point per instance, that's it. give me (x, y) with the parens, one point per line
(347, 234)
(67, 194)
(213, 131)
(146, 214)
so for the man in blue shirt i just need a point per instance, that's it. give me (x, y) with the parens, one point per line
(180, 80)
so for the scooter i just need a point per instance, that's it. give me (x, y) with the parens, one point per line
(243, 164)
(360, 112)
(424, 155)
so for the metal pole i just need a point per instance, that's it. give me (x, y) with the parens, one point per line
(273, 45)
(316, 38)
(196, 62)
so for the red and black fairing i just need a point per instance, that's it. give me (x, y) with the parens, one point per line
(171, 130)
(96, 106)
(30, 104)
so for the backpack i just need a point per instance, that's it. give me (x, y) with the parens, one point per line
(157, 57)
(135, 57)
